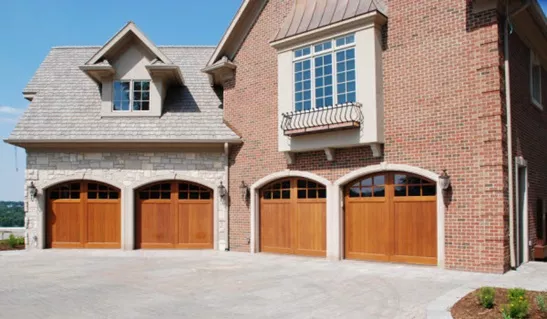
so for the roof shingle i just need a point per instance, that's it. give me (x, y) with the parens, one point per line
(67, 104)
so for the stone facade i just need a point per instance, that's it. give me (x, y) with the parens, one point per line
(443, 110)
(126, 171)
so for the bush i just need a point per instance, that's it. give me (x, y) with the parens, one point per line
(516, 294)
(540, 301)
(518, 306)
(486, 297)
(15, 241)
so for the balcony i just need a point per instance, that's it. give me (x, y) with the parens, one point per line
(333, 118)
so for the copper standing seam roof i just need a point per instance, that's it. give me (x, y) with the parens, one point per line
(307, 15)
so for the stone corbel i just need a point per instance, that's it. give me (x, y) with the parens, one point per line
(290, 157)
(376, 150)
(329, 152)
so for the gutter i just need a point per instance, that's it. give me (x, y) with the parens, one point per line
(509, 126)
(20, 142)
(227, 203)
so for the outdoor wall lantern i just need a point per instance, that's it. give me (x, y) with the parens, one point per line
(444, 180)
(221, 190)
(244, 190)
(32, 190)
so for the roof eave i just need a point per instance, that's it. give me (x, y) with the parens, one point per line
(32, 142)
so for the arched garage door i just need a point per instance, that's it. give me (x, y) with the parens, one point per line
(83, 214)
(174, 214)
(391, 217)
(293, 217)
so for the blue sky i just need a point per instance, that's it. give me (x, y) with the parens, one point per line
(28, 29)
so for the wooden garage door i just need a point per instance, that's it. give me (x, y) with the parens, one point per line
(83, 214)
(293, 218)
(174, 215)
(391, 217)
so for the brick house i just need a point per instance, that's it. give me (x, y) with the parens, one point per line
(393, 131)
(418, 87)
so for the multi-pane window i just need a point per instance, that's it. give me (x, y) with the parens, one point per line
(324, 74)
(535, 79)
(131, 96)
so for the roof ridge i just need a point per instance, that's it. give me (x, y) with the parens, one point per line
(75, 46)
(186, 46)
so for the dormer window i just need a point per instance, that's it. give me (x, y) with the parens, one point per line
(324, 73)
(131, 96)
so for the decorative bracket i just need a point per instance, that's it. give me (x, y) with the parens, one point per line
(330, 154)
(290, 157)
(376, 150)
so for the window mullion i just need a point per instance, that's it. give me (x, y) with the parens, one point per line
(334, 78)
(131, 95)
(312, 84)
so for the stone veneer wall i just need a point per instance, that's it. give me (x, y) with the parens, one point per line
(125, 170)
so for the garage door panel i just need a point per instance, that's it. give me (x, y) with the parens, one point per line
(174, 214)
(275, 227)
(103, 223)
(65, 220)
(391, 217)
(367, 229)
(83, 214)
(195, 225)
(415, 229)
(311, 228)
(156, 224)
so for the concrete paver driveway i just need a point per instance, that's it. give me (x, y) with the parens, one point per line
(209, 284)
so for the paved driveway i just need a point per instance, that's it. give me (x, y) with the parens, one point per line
(208, 284)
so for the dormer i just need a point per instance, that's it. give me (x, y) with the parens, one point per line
(133, 74)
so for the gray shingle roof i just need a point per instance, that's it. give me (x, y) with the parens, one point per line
(67, 103)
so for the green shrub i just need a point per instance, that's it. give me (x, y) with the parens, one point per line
(516, 308)
(540, 301)
(486, 297)
(15, 241)
(516, 294)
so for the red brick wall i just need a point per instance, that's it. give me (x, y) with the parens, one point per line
(529, 127)
(442, 110)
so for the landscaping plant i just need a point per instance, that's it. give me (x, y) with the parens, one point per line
(15, 241)
(486, 297)
(540, 301)
(518, 306)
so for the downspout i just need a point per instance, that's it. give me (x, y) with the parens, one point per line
(227, 200)
(510, 128)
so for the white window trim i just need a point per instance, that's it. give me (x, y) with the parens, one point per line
(131, 83)
(333, 49)
(533, 62)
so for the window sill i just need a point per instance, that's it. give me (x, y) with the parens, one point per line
(537, 104)
(130, 114)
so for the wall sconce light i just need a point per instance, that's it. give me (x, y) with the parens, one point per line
(32, 190)
(444, 180)
(221, 190)
(244, 190)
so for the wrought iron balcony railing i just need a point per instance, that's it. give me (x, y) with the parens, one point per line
(337, 117)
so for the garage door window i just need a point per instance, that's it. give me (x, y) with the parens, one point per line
(157, 191)
(309, 189)
(101, 191)
(408, 185)
(193, 191)
(373, 186)
(65, 191)
(279, 190)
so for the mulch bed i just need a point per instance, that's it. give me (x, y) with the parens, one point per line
(5, 246)
(469, 307)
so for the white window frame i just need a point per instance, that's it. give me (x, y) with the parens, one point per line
(535, 62)
(131, 90)
(333, 49)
